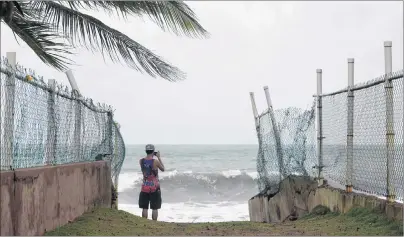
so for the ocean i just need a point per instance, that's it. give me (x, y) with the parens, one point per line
(201, 183)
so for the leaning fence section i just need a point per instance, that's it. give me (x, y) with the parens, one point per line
(286, 139)
(353, 136)
(46, 124)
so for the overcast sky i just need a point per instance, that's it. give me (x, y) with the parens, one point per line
(252, 44)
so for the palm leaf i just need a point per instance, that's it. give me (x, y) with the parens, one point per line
(90, 32)
(41, 40)
(174, 16)
(18, 7)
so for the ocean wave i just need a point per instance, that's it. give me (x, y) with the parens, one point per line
(229, 174)
(188, 186)
(136, 177)
(212, 178)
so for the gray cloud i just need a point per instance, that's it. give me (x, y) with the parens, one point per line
(279, 44)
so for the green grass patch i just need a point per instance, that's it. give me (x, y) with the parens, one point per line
(359, 221)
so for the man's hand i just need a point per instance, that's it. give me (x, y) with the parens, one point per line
(160, 163)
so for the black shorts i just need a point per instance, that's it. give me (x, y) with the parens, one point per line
(153, 198)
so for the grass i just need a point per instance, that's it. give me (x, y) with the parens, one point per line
(359, 221)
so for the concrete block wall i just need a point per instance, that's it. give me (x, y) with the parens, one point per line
(291, 200)
(35, 200)
(340, 201)
(299, 195)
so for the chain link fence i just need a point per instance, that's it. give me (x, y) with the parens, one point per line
(370, 146)
(334, 129)
(47, 124)
(287, 140)
(286, 146)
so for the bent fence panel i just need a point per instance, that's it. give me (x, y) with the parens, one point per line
(296, 154)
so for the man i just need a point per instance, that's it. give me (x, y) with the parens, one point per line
(150, 192)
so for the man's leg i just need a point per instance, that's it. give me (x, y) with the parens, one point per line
(144, 199)
(155, 203)
(145, 213)
(155, 214)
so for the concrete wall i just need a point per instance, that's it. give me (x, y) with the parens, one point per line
(298, 196)
(35, 200)
(340, 201)
(291, 200)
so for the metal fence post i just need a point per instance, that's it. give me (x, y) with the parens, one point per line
(320, 166)
(115, 157)
(51, 129)
(254, 108)
(77, 120)
(388, 85)
(72, 81)
(8, 140)
(268, 97)
(278, 143)
(350, 120)
(110, 137)
(77, 128)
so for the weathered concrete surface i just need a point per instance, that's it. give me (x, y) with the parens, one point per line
(6, 191)
(47, 197)
(341, 201)
(256, 209)
(299, 195)
(291, 200)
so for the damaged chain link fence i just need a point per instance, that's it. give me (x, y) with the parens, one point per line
(287, 140)
(287, 146)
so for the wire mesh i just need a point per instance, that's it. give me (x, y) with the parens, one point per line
(50, 125)
(370, 166)
(369, 161)
(296, 153)
(286, 146)
(334, 128)
(267, 159)
(118, 151)
(398, 118)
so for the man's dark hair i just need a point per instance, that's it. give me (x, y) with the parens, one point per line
(149, 152)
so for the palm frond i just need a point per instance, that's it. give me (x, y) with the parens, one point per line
(90, 32)
(41, 40)
(18, 7)
(173, 16)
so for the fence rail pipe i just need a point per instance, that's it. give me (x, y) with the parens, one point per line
(350, 121)
(319, 121)
(388, 85)
(51, 129)
(9, 97)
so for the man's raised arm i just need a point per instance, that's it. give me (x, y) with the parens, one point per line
(159, 163)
